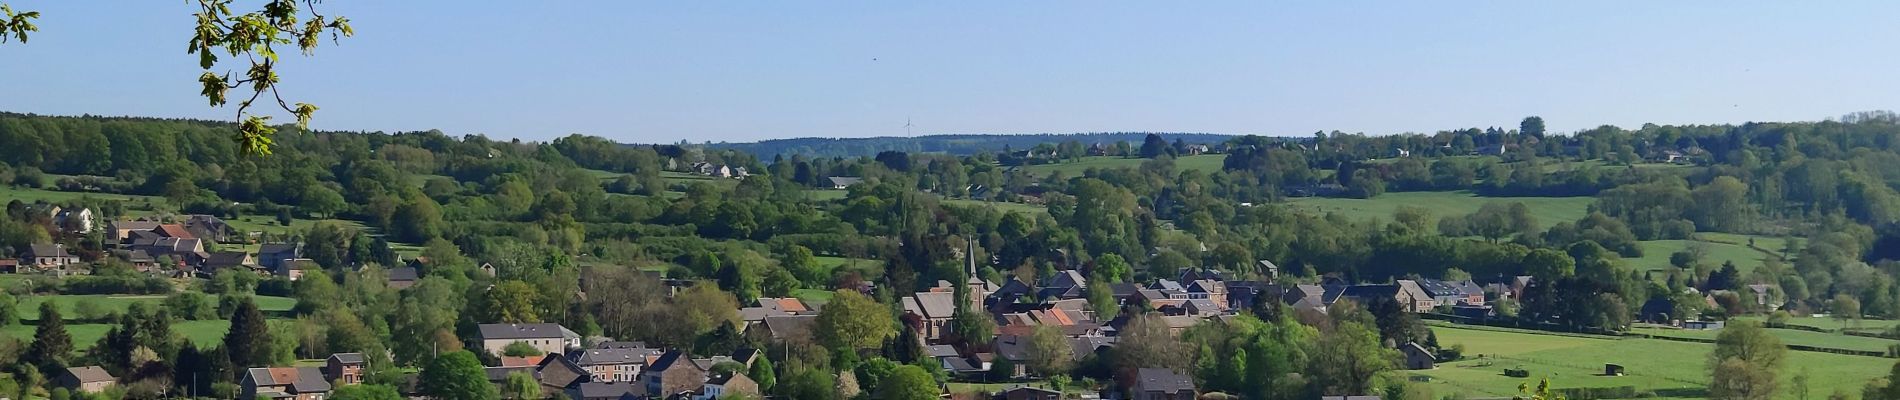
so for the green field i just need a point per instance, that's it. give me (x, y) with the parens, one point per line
(1548, 210)
(813, 297)
(826, 194)
(29, 306)
(1788, 336)
(1666, 368)
(202, 333)
(1205, 162)
(1831, 324)
(29, 195)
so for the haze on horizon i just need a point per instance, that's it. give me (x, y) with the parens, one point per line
(698, 71)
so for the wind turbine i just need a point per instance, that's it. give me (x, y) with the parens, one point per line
(907, 126)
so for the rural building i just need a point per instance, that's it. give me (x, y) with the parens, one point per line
(271, 256)
(87, 379)
(402, 277)
(208, 227)
(934, 309)
(673, 373)
(546, 337)
(300, 383)
(120, 231)
(620, 364)
(735, 385)
(605, 391)
(222, 260)
(49, 256)
(1161, 384)
(344, 368)
(1416, 356)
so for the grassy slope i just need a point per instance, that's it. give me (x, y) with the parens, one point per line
(202, 333)
(1789, 336)
(1673, 369)
(28, 195)
(29, 306)
(1547, 210)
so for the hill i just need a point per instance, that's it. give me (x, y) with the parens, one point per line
(962, 144)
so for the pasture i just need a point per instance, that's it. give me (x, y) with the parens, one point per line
(1663, 368)
(1548, 210)
(1787, 336)
(201, 333)
(29, 307)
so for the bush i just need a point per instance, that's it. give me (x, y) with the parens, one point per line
(191, 306)
(520, 349)
(116, 285)
(1778, 319)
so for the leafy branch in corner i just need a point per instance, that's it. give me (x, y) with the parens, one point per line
(16, 25)
(255, 36)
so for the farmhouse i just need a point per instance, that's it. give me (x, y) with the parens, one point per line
(298, 383)
(548, 338)
(87, 379)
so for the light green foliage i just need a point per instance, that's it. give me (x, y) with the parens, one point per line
(908, 383)
(255, 36)
(16, 23)
(853, 321)
(522, 386)
(365, 392)
(457, 376)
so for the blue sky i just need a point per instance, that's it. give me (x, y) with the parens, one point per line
(741, 71)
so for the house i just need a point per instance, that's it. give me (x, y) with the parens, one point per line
(87, 379)
(293, 269)
(1161, 384)
(208, 227)
(79, 221)
(546, 337)
(1416, 357)
(49, 256)
(1207, 289)
(1452, 292)
(554, 375)
(173, 231)
(120, 231)
(934, 309)
(1406, 293)
(1763, 293)
(734, 385)
(605, 391)
(673, 373)
(222, 260)
(402, 277)
(9, 266)
(271, 256)
(140, 260)
(1029, 393)
(614, 364)
(344, 368)
(298, 383)
(1268, 270)
(788, 328)
(842, 182)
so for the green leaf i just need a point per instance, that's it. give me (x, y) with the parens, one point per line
(214, 88)
(304, 110)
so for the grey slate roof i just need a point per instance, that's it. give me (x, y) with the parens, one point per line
(348, 358)
(525, 331)
(592, 390)
(91, 373)
(402, 274)
(1163, 380)
(932, 304)
(600, 356)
